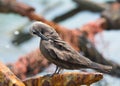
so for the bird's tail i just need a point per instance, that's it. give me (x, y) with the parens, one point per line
(101, 68)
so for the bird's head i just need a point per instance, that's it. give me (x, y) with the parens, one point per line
(42, 30)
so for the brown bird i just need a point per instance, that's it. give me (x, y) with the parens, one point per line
(61, 53)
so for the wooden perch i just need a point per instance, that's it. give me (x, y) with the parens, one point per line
(7, 78)
(66, 79)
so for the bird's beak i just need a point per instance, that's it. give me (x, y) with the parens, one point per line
(42, 36)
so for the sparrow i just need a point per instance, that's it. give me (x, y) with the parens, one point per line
(60, 52)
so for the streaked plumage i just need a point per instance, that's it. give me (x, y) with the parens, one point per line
(61, 53)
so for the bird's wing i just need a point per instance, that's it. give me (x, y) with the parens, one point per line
(61, 50)
(59, 44)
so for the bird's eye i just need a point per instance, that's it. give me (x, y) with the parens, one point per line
(34, 32)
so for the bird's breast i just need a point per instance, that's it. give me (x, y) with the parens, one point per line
(44, 47)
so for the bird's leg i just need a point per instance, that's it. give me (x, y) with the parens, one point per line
(59, 70)
(56, 70)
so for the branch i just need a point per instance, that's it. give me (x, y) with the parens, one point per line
(89, 5)
(66, 79)
(7, 78)
(112, 16)
(16, 7)
(82, 5)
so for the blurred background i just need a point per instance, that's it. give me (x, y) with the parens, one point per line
(13, 25)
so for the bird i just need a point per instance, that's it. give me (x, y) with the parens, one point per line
(60, 53)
